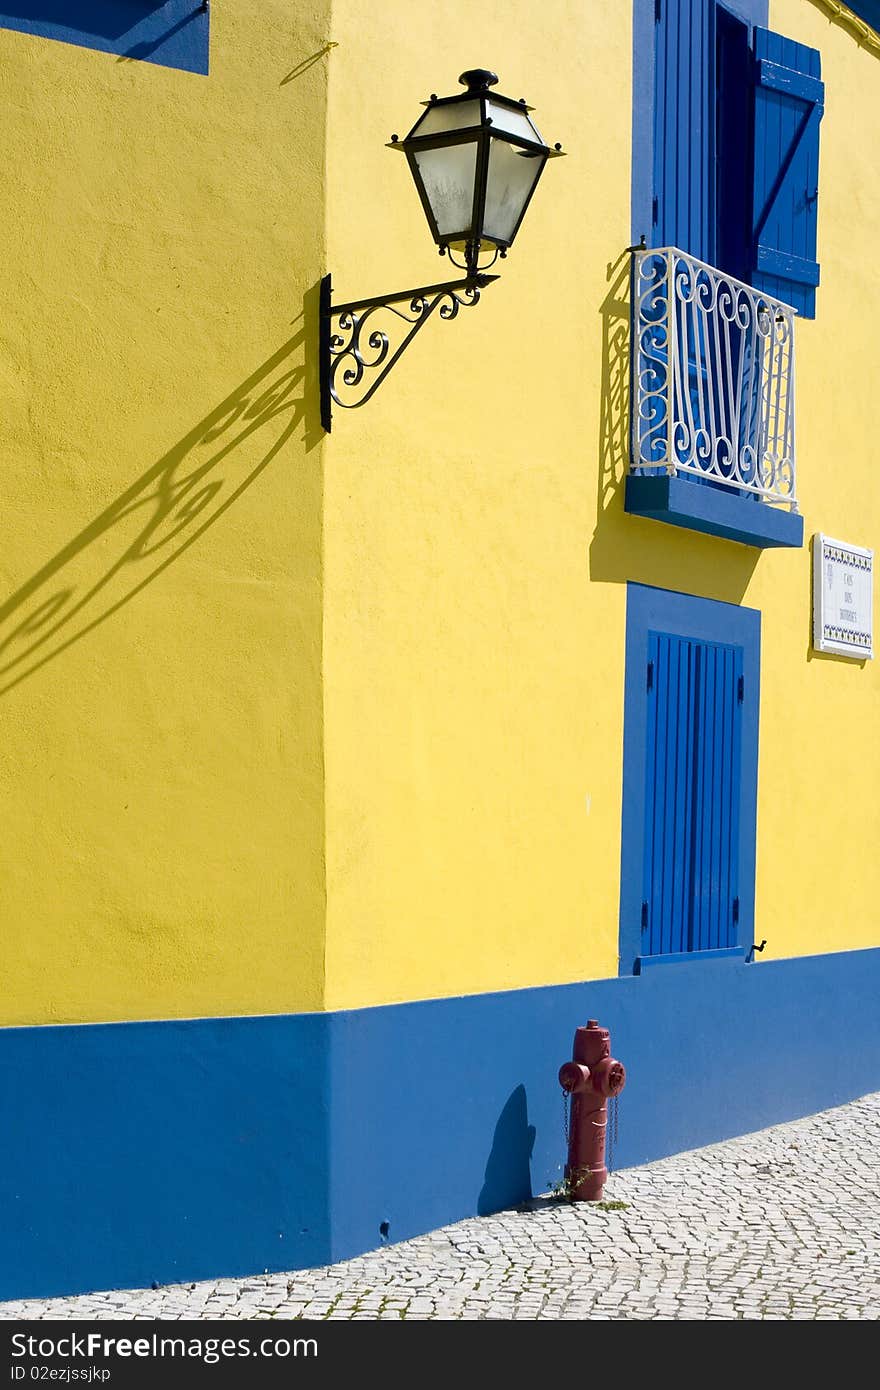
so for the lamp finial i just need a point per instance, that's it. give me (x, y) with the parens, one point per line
(478, 79)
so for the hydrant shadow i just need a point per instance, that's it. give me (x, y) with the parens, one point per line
(508, 1179)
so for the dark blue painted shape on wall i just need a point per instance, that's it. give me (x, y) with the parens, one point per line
(174, 34)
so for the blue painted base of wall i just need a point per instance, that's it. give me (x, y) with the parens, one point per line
(180, 1150)
(682, 502)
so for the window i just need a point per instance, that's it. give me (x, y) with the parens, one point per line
(725, 190)
(689, 778)
(736, 147)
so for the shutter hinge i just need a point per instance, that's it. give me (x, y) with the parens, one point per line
(644, 916)
(657, 8)
(741, 689)
(650, 675)
(736, 909)
(655, 211)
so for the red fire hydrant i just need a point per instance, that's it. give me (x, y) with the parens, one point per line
(589, 1079)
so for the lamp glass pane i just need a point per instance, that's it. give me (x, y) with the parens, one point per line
(513, 121)
(457, 115)
(512, 176)
(448, 174)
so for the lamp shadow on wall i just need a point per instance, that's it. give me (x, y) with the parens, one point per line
(303, 66)
(627, 547)
(165, 511)
(508, 1178)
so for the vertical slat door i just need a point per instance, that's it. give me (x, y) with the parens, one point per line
(683, 128)
(692, 795)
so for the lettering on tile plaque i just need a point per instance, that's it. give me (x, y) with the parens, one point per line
(843, 577)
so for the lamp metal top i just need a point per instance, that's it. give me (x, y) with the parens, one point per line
(478, 79)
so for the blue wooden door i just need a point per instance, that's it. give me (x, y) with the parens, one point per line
(692, 795)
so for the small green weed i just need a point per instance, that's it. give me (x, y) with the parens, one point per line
(565, 1189)
(568, 1186)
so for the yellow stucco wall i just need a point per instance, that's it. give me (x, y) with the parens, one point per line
(477, 550)
(230, 649)
(472, 672)
(160, 716)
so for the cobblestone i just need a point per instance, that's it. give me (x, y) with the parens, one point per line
(784, 1224)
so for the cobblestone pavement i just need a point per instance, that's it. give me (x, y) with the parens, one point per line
(782, 1224)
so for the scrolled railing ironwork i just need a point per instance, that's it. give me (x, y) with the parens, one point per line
(713, 378)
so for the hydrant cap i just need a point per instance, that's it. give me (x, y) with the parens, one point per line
(574, 1077)
(616, 1078)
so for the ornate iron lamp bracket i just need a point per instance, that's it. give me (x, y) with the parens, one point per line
(357, 351)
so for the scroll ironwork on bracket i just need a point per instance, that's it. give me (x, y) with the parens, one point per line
(358, 348)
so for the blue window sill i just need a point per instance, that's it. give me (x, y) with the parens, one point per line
(680, 502)
(643, 963)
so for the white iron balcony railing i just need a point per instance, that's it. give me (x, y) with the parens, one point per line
(713, 378)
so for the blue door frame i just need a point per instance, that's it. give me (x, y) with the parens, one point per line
(734, 635)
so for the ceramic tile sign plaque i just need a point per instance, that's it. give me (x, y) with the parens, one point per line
(843, 576)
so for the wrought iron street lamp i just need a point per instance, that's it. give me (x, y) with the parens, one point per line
(476, 159)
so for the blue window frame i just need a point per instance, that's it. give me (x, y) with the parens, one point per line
(689, 778)
(172, 33)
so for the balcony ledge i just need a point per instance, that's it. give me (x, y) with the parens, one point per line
(681, 502)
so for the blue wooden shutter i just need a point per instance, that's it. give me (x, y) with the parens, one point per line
(670, 737)
(683, 127)
(694, 693)
(715, 815)
(789, 101)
